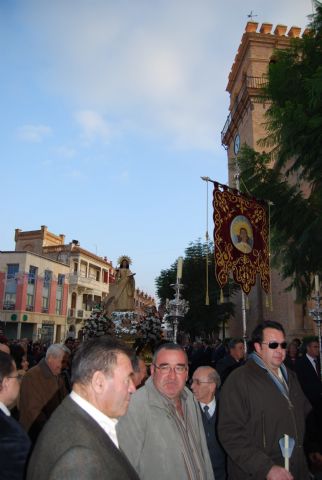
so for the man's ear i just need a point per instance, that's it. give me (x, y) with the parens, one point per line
(98, 381)
(257, 347)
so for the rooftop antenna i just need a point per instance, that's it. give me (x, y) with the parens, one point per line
(251, 15)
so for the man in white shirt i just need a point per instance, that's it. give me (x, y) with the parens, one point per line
(205, 381)
(79, 440)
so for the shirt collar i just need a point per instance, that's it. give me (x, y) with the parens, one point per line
(5, 410)
(108, 424)
(211, 405)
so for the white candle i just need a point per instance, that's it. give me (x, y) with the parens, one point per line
(286, 446)
(179, 267)
(317, 283)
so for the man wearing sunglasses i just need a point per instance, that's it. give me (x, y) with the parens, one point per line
(260, 403)
(162, 433)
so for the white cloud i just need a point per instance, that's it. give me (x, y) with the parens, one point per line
(93, 125)
(33, 133)
(161, 66)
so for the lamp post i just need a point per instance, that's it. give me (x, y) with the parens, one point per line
(316, 314)
(177, 307)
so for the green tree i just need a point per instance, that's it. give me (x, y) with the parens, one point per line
(294, 184)
(201, 318)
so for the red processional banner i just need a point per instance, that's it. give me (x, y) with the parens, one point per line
(241, 238)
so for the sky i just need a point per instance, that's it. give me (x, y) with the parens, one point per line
(111, 111)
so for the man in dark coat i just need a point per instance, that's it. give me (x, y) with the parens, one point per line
(14, 442)
(204, 384)
(260, 403)
(79, 441)
(307, 369)
(234, 359)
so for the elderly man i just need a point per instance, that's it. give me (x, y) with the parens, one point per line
(79, 441)
(260, 403)
(204, 383)
(42, 390)
(14, 441)
(162, 433)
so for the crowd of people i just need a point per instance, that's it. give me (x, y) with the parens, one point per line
(199, 411)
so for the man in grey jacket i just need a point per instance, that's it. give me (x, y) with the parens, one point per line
(79, 441)
(162, 434)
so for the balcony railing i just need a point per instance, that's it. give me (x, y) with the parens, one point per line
(73, 313)
(255, 83)
(9, 306)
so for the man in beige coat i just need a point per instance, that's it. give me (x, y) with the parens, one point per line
(162, 434)
(42, 390)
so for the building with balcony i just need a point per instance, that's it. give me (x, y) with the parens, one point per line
(246, 124)
(89, 275)
(33, 296)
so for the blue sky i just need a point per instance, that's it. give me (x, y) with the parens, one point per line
(111, 111)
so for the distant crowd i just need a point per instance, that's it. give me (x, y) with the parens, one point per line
(200, 410)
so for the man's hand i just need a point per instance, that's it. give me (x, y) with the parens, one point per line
(279, 473)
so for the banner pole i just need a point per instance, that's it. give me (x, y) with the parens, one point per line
(244, 319)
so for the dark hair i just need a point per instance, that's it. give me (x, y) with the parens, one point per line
(17, 352)
(168, 346)
(257, 335)
(96, 354)
(234, 341)
(6, 365)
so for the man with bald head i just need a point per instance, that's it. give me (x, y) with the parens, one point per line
(204, 384)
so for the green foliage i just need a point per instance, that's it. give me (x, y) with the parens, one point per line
(295, 113)
(294, 185)
(201, 318)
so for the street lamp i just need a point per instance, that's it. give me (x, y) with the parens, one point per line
(177, 307)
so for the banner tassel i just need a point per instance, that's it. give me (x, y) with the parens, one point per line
(221, 296)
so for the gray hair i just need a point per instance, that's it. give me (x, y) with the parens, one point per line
(97, 354)
(56, 350)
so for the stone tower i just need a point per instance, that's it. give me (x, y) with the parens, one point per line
(245, 124)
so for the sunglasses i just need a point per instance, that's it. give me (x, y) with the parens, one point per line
(274, 345)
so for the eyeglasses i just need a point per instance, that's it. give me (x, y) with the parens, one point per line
(18, 377)
(165, 368)
(274, 345)
(198, 382)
